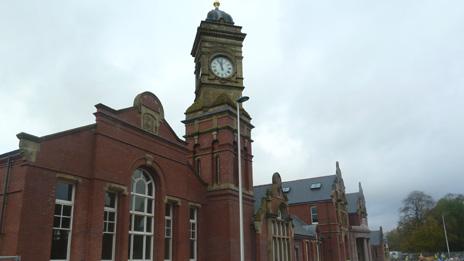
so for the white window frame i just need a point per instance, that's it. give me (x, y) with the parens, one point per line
(314, 214)
(65, 203)
(145, 214)
(105, 222)
(169, 217)
(193, 233)
(280, 240)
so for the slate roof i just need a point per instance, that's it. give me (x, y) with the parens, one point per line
(375, 237)
(301, 228)
(259, 193)
(352, 199)
(300, 190)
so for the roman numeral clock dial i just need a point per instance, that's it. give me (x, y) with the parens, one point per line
(222, 67)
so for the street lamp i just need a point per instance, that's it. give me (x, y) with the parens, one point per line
(240, 203)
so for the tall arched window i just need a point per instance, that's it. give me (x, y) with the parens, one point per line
(141, 216)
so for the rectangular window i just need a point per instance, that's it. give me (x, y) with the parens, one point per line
(109, 226)
(62, 221)
(217, 169)
(168, 218)
(198, 167)
(193, 233)
(314, 218)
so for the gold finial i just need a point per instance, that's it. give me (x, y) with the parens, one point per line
(216, 4)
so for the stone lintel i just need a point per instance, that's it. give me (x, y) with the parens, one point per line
(116, 188)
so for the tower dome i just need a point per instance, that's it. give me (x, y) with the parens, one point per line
(219, 16)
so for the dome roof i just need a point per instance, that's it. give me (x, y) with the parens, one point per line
(219, 16)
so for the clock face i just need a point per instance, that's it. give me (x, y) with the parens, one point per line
(222, 67)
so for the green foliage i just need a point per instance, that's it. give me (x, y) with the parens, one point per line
(452, 208)
(421, 227)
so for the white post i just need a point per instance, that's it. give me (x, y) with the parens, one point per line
(240, 203)
(446, 236)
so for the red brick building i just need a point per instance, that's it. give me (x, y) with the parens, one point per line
(279, 235)
(338, 220)
(319, 202)
(359, 229)
(127, 187)
(378, 245)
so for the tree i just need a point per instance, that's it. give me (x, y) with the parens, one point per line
(394, 240)
(452, 208)
(421, 227)
(415, 207)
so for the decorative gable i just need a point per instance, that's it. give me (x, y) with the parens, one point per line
(151, 111)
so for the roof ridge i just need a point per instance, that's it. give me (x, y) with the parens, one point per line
(296, 180)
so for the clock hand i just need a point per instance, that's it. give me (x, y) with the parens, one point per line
(220, 63)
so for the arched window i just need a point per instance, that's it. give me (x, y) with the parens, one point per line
(141, 216)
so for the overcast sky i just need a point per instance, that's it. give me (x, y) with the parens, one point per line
(376, 85)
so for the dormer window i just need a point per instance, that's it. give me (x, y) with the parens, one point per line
(286, 189)
(315, 186)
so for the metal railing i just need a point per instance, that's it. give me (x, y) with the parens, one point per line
(15, 258)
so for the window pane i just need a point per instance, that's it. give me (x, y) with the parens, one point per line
(56, 221)
(107, 247)
(149, 221)
(192, 213)
(192, 249)
(59, 244)
(111, 216)
(66, 222)
(139, 203)
(167, 249)
(140, 187)
(63, 191)
(67, 211)
(57, 209)
(149, 206)
(150, 190)
(168, 227)
(138, 247)
(129, 249)
(110, 227)
(139, 223)
(148, 247)
(137, 174)
(110, 199)
(167, 210)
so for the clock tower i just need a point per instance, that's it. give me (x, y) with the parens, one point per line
(211, 133)
(217, 50)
